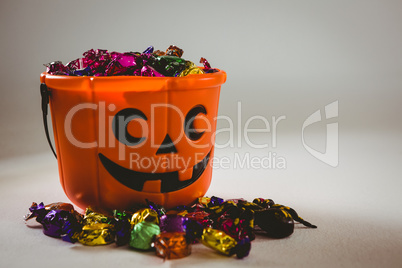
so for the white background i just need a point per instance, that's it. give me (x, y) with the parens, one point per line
(283, 58)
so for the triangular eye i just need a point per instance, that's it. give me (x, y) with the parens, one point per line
(189, 129)
(167, 146)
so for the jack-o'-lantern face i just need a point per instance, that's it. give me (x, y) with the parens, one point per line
(170, 180)
(163, 149)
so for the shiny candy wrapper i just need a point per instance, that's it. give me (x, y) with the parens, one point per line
(60, 206)
(275, 222)
(149, 49)
(145, 214)
(169, 65)
(223, 243)
(174, 51)
(171, 223)
(159, 209)
(204, 200)
(216, 201)
(56, 68)
(36, 211)
(54, 221)
(226, 226)
(143, 234)
(122, 227)
(236, 228)
(71, 231)
(294, 215)
(265, 203)
(97, 234)
(159, 53)
(193, 229)
(172, 245)
(92, 217)
(148, 71)
(191, 68)
(206, 64)
(219, 241)
(149, 63)
(201, 217)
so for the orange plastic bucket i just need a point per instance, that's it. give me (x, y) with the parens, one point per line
(124, 139)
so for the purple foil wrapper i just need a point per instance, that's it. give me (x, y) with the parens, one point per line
(171, 223)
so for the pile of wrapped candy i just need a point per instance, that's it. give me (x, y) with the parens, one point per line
(225, 226)
(152, 63)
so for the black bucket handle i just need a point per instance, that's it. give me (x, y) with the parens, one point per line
(45, 93)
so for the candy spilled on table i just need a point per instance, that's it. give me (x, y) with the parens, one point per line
(228, 227)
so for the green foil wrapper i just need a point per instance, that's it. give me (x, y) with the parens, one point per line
(219, 241)
(97, 234)
(143, 235)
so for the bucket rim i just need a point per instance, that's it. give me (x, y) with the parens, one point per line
(134, 83)
(44, 76)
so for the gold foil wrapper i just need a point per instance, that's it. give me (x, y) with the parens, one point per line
(219, 241)
(172, 245)
(97, 234)
(204, 200)
(145, 214)
(191, 68)
(92, 217)
(183, 213)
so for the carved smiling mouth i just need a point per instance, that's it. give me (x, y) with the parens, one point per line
(135, 180)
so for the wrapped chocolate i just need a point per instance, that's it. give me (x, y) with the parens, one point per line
(145, 214)
(277, 223)
(223, 243)
(143, 235)
(206, 64)
(122, 227)
(149, 50)
(216, 201)
(36, 211)
(148, 71)
(41, 210)
(92, 217)
(174, 51)
(159, 209)
(56, 68)
(294, 215)
(265, 203)
(219, 241)
(204, 200)
(149, 63)
(172, 245)
(97, 234)
(190, 68)
(54, 221)
(225, 226)
(171, 223)
(193, 229)
(201, 217)
(71, 230)
(168, 65)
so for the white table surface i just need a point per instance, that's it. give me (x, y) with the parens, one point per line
(356, 207)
